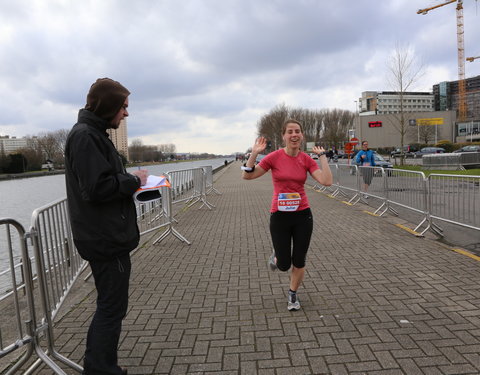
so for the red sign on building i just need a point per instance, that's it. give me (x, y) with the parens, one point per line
(374, 124)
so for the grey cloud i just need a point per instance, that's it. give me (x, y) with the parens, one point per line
(211, 59)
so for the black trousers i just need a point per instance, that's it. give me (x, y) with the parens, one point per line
(112, 281)
(291, 233)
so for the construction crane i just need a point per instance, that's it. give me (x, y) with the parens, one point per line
(471, 59)
(462, 102)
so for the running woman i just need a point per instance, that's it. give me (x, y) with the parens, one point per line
(291, 221)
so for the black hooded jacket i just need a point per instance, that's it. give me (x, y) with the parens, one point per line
(99, 192)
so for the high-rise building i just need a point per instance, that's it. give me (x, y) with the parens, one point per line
(387, 102)
(119, 138)
(446, 97)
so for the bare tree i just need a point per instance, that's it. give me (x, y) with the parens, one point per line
(47, 144)
(52, 144)
(33, 156)
(425, 133)
(136, 150)
(270, 125)
(168, 148)
(318, 127)
(61, 136)
(336, 125)
(404, 72)
(3, 158)
(329, 127)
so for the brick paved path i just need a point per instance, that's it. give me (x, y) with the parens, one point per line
(376, 299)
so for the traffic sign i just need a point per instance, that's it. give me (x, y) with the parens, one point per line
(355, 141)
(349, 148)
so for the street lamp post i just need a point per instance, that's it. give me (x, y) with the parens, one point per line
(355, 122)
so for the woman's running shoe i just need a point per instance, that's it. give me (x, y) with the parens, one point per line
(293, 302)
(271, 262)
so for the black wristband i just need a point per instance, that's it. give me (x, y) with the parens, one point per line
(321, 153)
(247, 169)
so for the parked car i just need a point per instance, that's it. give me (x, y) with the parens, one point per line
(381, 162)
(429, 150)
(314, 156)
(470, 148)
(408, 151)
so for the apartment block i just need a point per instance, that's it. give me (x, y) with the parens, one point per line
(9, 144)
(119, 138)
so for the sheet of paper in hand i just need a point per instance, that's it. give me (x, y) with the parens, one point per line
(151, 190)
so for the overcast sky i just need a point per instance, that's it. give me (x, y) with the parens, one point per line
(202, 72)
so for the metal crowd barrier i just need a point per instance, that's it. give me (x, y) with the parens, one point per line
(445, 161)
(57, 265)
(208, 170)
(453, 199)
(406, 189)
(181, 182)
(189, 186)
(448, 198)
(167, 214)
(152, 215)
(375, 177)
(346, 181)
(333, 190)
(21, 308)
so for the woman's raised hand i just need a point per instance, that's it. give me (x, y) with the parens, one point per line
(318, 149)
(260, 145)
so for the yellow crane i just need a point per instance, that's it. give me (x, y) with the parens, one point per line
(472, 58)
(462, 103)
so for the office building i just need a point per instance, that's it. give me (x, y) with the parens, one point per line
(386, 102)
(384, 130)
(446, 99)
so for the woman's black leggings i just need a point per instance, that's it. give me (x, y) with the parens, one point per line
(288, 227)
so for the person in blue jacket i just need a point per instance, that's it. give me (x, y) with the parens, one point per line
(365, 158)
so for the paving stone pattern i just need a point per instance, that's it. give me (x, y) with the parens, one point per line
(376, 300)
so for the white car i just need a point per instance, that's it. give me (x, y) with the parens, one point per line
(314, 156)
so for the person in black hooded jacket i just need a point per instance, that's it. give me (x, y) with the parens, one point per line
(103, 217)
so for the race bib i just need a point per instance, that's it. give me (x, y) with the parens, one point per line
(289, 201)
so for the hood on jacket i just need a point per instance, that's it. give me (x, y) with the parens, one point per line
(106, 97)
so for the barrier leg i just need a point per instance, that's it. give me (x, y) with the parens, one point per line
(173, 231)
(24, 358)
(212, 189)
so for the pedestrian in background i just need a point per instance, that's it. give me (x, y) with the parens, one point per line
(291, 221)
(330, 155)
(103, 217)
(366, 158)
